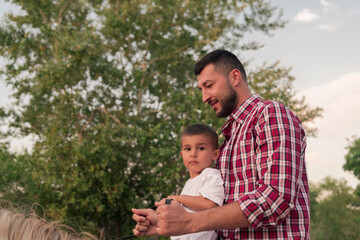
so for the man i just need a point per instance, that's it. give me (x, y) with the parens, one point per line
(262, 163)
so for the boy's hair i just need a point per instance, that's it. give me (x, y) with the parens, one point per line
(223, 60)
(30, 227)
(202, 129)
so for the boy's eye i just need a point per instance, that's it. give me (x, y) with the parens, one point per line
(187, 149)
(201, 148)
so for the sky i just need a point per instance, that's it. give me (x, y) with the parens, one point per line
(321, 44)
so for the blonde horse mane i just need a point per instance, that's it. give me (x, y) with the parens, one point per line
(19, 226)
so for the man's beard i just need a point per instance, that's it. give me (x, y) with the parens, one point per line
(228, 103)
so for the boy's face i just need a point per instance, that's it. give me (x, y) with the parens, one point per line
(198, 153)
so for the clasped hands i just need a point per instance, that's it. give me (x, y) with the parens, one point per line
(168, 219)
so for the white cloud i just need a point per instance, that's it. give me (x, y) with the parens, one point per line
(328, 6)
(306, 15)
(327, 27)
(341, 117)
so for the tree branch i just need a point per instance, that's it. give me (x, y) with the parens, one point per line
(144, 65)
(104, 110)
(62, 12)
(80, 133)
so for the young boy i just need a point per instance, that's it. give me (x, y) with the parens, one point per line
(205, 188)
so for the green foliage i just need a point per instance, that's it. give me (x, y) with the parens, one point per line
(353, 157)
(335, 212)
(10, 172)
(106, 87)
(15, 177)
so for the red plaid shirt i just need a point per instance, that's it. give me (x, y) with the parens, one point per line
(262, 163)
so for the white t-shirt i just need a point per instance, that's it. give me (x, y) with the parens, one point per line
(210, 185)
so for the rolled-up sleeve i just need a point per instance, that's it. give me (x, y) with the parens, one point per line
(278, 165)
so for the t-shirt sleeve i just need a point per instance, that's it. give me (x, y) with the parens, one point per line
(213, 186)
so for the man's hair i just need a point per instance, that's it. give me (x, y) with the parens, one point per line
(223, 60)
(202, 129)
(30, 227)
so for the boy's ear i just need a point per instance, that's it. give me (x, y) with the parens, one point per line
(216, 154)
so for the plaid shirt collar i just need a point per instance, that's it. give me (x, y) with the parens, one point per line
(240, 114)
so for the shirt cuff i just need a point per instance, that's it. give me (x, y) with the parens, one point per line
(264, 207)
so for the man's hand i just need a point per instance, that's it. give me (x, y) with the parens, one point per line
(146, 222)
(173, 219)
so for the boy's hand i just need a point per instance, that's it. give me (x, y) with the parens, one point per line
(173, 197)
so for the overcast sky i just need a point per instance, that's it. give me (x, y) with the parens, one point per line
(321, 43)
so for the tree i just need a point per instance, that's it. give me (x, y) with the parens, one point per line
(334, 211)
(105, 88)
(15, 179)
(352, 159)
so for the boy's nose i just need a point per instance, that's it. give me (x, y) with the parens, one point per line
(194, 153)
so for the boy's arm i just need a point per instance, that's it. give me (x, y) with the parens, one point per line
(195, 203)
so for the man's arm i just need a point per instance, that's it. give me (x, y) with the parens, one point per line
(279, 163)
(174, 220)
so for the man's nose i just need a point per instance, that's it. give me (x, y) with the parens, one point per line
(205, 96)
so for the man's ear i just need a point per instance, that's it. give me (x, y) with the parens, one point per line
(235, 77)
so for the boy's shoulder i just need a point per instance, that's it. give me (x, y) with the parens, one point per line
(210, 171)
